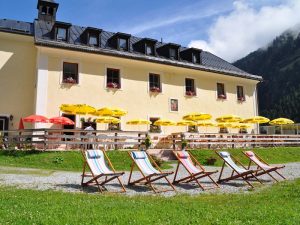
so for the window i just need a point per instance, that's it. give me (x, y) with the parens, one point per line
(44, 10)
(113, 78)
(153, 128)
(61, 34)
(154, 82)
(196, 58)
(173, 105)
(240, 93)
(221, 91)
(123, 44)
(193, 129)
(149, 49)
(114, 126)
(190, 89)
(173, 53)
(93, 40)
(70, 73)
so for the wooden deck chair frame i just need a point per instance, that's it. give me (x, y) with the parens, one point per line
(245, 176)
(148, 180)
(261, 170)
(194, 177)
(95, 180)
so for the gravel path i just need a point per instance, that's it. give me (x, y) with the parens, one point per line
(70, 181)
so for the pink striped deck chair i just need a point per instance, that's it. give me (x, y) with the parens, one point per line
(262, 166)
(238, 171)
(95, 161)
(194, 168)
(149, 173)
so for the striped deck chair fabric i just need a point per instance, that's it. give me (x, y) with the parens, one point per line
(229, 161)
(252, 156)
(187, 162)
(95, 159)
(143, 163)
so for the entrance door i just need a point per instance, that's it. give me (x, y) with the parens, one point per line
(3, 124)
(71, 127)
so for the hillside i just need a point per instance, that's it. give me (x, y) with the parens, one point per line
(279, 65)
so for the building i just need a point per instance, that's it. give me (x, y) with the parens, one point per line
(47, 63)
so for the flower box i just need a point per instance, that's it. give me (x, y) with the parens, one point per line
(241, 99)
(155, 89)
(69, 80)
(113, 85)
(221, 96)
(190, 93)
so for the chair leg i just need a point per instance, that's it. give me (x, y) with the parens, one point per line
(215, 183)
(221, 172)
(174, 180)
(83, 172)
(172, 186)
(280, 174)
(132, 166)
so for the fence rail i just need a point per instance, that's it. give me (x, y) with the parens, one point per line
(74, 139)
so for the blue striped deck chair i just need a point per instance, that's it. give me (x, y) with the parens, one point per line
(149, 173)
(237, 171)
(100, 173)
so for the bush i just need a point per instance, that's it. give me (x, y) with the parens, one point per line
(210, 161)
(157, 160)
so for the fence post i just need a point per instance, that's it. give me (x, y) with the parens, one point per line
(45, 139)
(116, 140)
(174, 141)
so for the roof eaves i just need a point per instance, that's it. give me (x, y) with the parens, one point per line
(110, 52)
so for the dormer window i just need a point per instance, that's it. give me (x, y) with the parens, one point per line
(123, 44)
(146, 46)
(173, 53)
(192, 55)
(93, 40)
(91, 36)
(196, 58)
(60, 31)
(149, 49)
(61, 34)
(169, 51)
(120, 41)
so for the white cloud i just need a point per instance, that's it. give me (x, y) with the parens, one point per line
(246, 29)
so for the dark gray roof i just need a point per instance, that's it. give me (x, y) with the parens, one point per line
(42, 34)
(14, 26)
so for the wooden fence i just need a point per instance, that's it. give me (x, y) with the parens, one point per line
(75, 139)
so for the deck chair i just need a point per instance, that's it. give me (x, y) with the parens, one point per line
(237, 171)
(262, 166)
(95, 161)
(149, 174)
(190, 164)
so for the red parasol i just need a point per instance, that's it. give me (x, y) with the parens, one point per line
(36, 119)
(21, 124)
(61, 120)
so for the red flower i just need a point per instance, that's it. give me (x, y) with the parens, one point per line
(154, 89)
(190, 93)
(69, 80)
(112, 85)
(241, 99)
(222, 96)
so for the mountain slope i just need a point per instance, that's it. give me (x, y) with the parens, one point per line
(279, 65)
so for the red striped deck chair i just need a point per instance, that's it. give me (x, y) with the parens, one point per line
(100, 174)
(238, 171)
(149, 173)
(262, 166)
(194, 168)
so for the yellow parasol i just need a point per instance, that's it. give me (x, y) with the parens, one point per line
(78, 109)
(164, 122)
(281, 121)
(223, 125)
(138, 122)
(107, 119)
(197, 116)
(240, 125)
(186, 123)
(256, 119)
(205, 124)
(228, 118)
(107, 111)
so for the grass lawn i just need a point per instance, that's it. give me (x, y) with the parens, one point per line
(72, 161)
(271, 155)
(278, 204)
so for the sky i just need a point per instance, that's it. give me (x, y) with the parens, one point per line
(231, 29)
